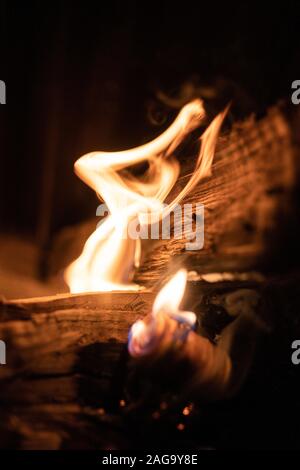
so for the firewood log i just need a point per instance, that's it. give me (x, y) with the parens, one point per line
(43, 335)
(250, 206)
(67, 360)
(67, 356)
(250, 203)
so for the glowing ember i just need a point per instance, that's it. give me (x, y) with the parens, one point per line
(180, 427)
(187, 409)
(111, 253)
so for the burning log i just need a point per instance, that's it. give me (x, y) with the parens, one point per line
(250, 203)
(57, 335)
(44, 335)
(249, 206)
(67, 364)
(67, 354)
(166, 347)
(66, 374)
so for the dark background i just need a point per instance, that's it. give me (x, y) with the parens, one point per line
(82, 76)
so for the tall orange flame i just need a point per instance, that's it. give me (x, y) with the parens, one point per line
(110, 256)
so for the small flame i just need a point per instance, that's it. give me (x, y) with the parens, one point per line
(145, 335)
(169, 298)
(110, 254)
(171, 294)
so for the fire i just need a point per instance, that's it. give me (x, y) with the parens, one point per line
(169, 298)
(110, 255)
(146, 335)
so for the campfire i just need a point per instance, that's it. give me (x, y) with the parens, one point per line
(149, 245)
(151, 332)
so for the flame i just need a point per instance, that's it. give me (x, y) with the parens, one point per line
(110, 255)
(171, 294)
(145, 335)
